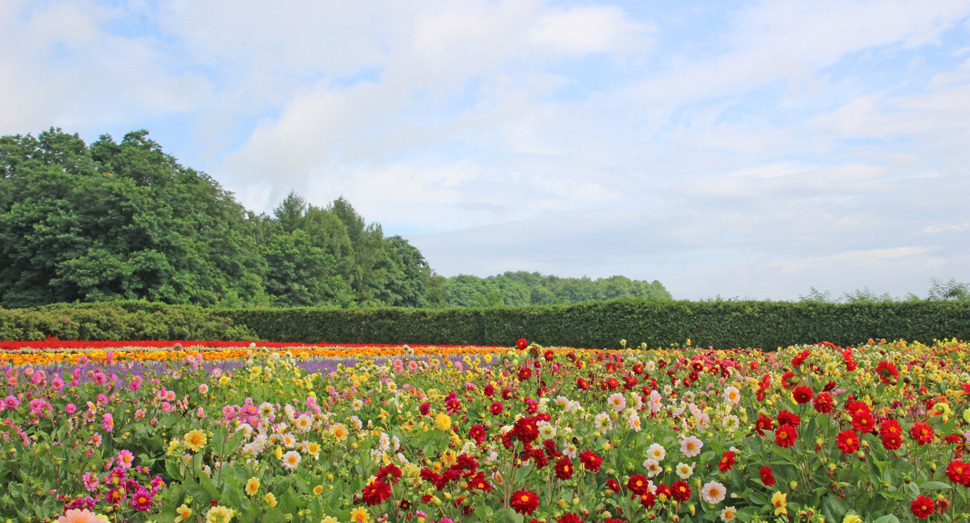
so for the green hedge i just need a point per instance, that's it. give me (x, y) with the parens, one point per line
(722, 324)
(725, 324)
(119, 321)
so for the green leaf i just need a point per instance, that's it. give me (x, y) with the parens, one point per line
(934, 485)
(235, 442)
(887, 519)
(274, 515)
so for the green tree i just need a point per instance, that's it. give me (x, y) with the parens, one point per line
(118, 221)
(409, 276)
(951, 290)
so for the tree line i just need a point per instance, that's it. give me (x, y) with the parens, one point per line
(125, 220)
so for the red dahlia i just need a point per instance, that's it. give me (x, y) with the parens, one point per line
(376, 492)
(823, 403)
(922, 507)
(847, 441)
(569, 518)
(524, 501)
(526, 429)
(478, 482)
(638, 484)
(563, 468)
(390, 470)
(786, 435)
(767, 476)
(680, 491)
(788, 418)
(613, 485)
(958, 472)
(887, 372)
(892, 441)
(496, 408)
(863, 421)
(477, 433)
(922, 433)
(590, 460)
(764, 423)
(727, 460)
(521, 344)
(648, 500)
(890, 427)
(803, 394)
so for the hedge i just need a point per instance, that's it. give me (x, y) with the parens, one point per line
(719, 324)
(722, 324)
(119, 321)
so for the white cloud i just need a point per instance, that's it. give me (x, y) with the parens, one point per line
(594, 29)
(753, 152)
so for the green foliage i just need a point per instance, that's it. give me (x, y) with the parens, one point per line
(117, 221)
(659, 323)
(951, 290)
(127, 320)
(524, 288)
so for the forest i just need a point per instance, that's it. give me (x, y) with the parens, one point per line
(125, 220)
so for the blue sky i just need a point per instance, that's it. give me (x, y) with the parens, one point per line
(733, 149)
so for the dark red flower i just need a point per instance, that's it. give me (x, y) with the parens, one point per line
(496, 408)
(638, 484)
(488, 390)
(376, 492)
(727, 460)
(823, 402)
(425, 408)
(786, 435)
(526, 429)
(648, 500)
(922, 507)
(590, 460)
(477, 433)
(788, 418)
(582, 384)
(563, 468)
(613, 485)
(524, 501)
(391, 470)
(803, 394)
(847, 441)
(680, 491)
(521, 344)
(569, 518)
(767, 476)
(552, 451)
(479, 482)
(525, 373)
(764, 424)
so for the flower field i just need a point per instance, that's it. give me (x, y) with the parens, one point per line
(217, 432)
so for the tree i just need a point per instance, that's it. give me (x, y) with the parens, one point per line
(118, 221)
(409, 276)
(951, 290)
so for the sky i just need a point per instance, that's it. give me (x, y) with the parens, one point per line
(751, 150)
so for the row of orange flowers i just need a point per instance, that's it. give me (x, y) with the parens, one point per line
(123, 352)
